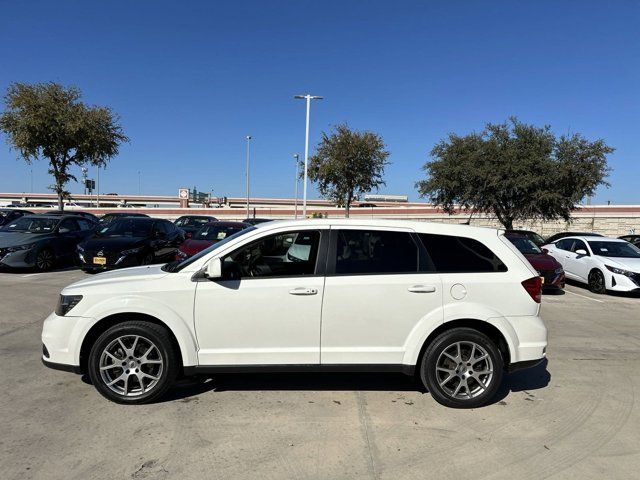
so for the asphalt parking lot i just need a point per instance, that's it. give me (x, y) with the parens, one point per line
(573, 417)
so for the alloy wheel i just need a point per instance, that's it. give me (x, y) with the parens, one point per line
(44, 260)
(596, 282)
(131, 365)
(464, 370)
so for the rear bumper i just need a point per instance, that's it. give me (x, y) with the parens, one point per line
(514, 367)
(526, 337)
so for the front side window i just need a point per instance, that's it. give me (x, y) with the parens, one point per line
(32, 225)
(451, 254)
(70, 224)
(579, 245)
(279, 255)
(375, 251)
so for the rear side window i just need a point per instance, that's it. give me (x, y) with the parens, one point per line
(375, 251)
(451, 254)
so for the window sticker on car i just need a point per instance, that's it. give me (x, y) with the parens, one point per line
(221, 235)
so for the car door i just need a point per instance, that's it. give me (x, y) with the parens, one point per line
(578, 264)
(67, 238)
(559, 249)
(266, 308)
(376, 292)
(159, 241)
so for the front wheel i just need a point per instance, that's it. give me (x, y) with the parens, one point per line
(462, 368)
(596, 282)
(45, 259)
(133, 362)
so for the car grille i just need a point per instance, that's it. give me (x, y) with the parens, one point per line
(635, 277)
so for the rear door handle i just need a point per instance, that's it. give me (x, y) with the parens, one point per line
(422, 289)
(303, 291)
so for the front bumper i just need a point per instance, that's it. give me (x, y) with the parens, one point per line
(113, 261)
(61, 340)
(622, 283)
(18, 259)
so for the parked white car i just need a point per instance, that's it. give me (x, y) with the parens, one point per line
(603, 263)
(456, 305)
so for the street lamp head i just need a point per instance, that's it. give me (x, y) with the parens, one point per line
(248, 137)
(300, 96)
(296, 156)
(316, 98)
(304, 97)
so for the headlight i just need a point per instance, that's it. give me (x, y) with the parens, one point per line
(558, 270)
(619, 271)
(66, 303)
(21, 247)
(131, 251)
(80, 249)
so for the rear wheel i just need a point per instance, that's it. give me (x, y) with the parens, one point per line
(45, 260)
(462, 368)
(133, 362)
(596, 282)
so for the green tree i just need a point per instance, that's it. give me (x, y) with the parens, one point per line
(515, 171)
(347, 164)
(49, 120)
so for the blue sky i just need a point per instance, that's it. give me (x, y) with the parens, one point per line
(191, 79)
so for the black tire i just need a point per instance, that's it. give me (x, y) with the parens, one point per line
(166, 373)
(147, 259)
(45, 260)
(597, 282)
(432, 378)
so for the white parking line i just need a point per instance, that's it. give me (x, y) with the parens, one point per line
(30, 275)
(584, 296)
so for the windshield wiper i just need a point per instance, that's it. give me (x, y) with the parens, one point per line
(171, 266)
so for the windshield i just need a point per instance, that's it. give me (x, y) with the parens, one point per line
(537, 239)
(193, 221)
(179, 265)
(126, 227)
(32, 225)
(615, 249)
(215, 233)
(525, 245)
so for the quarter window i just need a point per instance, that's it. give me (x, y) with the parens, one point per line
(450, 254)
(375, 251)
(283, 254)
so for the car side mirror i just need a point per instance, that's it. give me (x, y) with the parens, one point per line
(545, 250)
(582, 252)
(63, 230)
(214, 268)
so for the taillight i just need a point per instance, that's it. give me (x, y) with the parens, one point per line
(533, 286)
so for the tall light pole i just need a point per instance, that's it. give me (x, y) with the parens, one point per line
(248, 150)
(308, 98)
(295, 215)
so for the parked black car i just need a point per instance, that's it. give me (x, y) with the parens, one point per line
(557, 236)
(107, 218)
(42, 241)
(192, 223)
(128, 242)
(8, 215)
(533, 236)
(635, 239)
(87, 215)
(256, 221)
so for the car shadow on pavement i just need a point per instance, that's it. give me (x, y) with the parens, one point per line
(523, 380)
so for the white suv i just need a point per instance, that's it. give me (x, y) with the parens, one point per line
(456, 305)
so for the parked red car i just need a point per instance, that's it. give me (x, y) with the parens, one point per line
(207, 235)
(548, 267)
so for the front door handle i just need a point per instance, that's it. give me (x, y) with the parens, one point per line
(303, 291)
(422, 289)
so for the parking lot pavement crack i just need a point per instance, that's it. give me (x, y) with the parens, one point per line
(367, 434)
